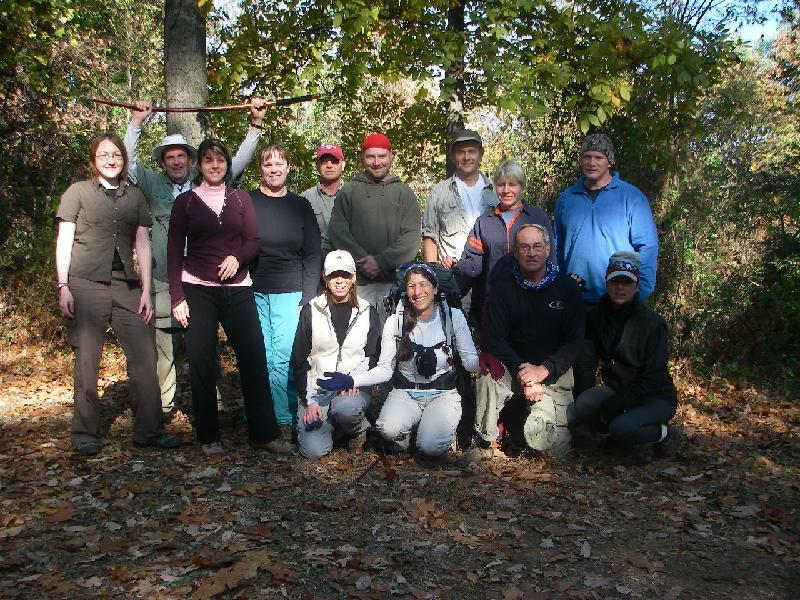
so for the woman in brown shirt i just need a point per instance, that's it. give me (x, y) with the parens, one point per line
(100, 220)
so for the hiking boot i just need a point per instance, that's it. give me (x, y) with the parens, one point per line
(278, 446)
(357, 443)
(213, 449)
(582, 439)
(431, 462)
(165, 441)
(89, 448)
(668, 447)
(286, 433)
(480, 450)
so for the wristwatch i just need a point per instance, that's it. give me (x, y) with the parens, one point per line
(61, 285)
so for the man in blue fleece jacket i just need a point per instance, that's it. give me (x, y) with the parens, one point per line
(599, 215)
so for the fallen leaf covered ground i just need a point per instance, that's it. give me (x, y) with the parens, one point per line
(718, 521)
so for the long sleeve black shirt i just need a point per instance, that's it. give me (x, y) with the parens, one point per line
(289, 259)
(544, 327)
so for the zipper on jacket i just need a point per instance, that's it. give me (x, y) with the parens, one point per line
(346, 331)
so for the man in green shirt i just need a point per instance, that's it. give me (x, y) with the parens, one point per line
(376, 219)
(176, 157)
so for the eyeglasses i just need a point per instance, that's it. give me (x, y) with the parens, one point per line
(106, 155)
(526, 248)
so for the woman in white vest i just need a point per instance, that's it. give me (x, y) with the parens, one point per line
(418, 351)
(338, 331)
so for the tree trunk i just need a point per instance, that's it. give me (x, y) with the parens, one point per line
(185, 67)
(452, 92)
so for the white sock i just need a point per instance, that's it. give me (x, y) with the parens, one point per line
(663, 433)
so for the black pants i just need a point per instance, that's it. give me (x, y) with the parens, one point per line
(638, 425)
(235, 309)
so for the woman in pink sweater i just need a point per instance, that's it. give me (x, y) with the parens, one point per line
(212, 238)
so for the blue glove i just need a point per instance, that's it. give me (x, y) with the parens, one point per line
(335, 381)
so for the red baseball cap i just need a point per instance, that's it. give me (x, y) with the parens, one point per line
(331, 149)
(376, 140)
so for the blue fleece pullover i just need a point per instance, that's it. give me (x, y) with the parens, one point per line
(587, 233)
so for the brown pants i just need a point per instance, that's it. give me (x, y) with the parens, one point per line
(97, 304)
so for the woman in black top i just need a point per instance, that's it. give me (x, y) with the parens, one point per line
(285, 273)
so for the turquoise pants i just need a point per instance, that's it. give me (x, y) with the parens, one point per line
(279, 315)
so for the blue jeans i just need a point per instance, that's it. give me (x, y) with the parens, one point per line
(342, 416)
(279, 315)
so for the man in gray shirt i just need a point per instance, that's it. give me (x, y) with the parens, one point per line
(330, 164)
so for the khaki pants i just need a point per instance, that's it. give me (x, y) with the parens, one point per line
(97, 304)
(545, 427)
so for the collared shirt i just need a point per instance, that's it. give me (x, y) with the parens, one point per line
(322, 203)
(102, 224)
(446, 219)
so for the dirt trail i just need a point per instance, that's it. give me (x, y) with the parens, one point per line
(720, 521)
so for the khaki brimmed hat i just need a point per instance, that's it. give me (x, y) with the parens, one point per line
(540, 426)
(176, 139)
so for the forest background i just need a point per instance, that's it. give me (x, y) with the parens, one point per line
(706, 126)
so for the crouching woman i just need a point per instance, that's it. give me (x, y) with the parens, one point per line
(418, 354)
(338, 331)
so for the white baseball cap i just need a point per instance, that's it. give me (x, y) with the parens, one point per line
(339, 260)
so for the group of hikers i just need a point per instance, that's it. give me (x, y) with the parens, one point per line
(328, 308)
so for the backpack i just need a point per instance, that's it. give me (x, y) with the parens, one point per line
(448, 297)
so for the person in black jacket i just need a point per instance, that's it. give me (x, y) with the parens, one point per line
(631, 344)
(535, 326)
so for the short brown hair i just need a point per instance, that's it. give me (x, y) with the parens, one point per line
(277, 150)
(114, 139)
(212, 146)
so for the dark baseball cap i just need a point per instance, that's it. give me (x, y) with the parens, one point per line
(467, 135)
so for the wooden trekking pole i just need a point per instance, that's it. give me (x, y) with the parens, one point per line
(184, 109)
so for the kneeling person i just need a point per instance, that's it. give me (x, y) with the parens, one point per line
(418, 355)
(535, 325)
(631, 344)
(338, 331)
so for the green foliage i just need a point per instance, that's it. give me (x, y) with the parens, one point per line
(729, 271)
(526, 57)
(52, 53)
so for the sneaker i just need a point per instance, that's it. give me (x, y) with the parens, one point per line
(88, 448)
(278, 446)
(165, 441)
(669, 445)
(213, 449)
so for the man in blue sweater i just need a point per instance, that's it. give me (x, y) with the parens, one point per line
(599, 215)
